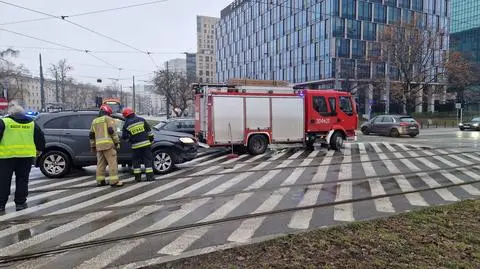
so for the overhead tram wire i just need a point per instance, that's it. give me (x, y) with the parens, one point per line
(86, 13)
(94, 51)
(88, 52)
(82, 27)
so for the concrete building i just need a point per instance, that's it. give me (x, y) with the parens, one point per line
(191, 66)
(314, 42)
(205, 62)
(148, 102)
(178, 65)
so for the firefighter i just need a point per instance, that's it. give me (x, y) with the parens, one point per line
(105, 142)
(140, 135)
(21, 140)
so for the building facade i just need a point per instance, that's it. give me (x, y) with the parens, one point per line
(206, 58)
(178, 65)
(191, 66)
(465, 29)
(313, 41)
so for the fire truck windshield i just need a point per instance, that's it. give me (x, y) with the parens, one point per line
(116, 107)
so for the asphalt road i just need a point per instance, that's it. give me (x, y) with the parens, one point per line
(215, 202)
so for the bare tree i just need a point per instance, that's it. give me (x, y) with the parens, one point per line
(175, 88)
(59, 72)
(460, 74)
(12, 76)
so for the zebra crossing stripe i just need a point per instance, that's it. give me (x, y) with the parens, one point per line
(18, 227)
(58, 184)
(301, 219)
(228, 207)
(263, 180)
(406, 162)
(51, 234)
(413, 198)
(445, 194)
(229, 183)
(470, 189)
(251, 160)
(182, 242)
(471, 156)
(344, 212)
(36, 197)
(192, 188)
(236, 159)
(321, 173)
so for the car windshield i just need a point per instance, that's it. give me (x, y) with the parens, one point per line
(407, 119)
(160, 125)
(476, 120)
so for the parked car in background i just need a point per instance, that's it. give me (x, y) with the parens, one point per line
(68, 145)
(473, 124)
(182, 125)
(392, 125)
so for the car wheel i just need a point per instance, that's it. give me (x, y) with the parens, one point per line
(394, 133)
(336, 142)
(413, 135)
(55, 164)
(163, 161)
(365, 130)
(257, 144)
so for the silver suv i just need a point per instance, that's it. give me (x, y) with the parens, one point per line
(68, 145)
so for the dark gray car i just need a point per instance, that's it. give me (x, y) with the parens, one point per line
(68, 145)
(182, 125)
(392, 125)
(473, 124)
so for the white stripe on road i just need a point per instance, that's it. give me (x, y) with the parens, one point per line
(51, 203)
(110, 255)
(413, 198)
(235, 167)
(114, 226)
(151, 192)
(260, 166)
(241, 157)
(310, 158)
(61, 183)
(322, 170)
(376, 148)
(51, 234)
(248, 227)
(389, 147)
(344, 212)
(470, 189)
(37, 197)
(296, 155)
(432, 183)
(230, 183)
(207, 170)
(176, 215)
(225, 209)
(18, 227)
(255, 158)
(192, 188)
(184, 241)
(99, 199)
(278, 155)
(406, 162)
(301, 219)
(471, 156)
(441, 159)
(263, 180)
(426, 162)
(365, 160)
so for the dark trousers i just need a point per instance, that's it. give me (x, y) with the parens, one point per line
(21, 167)
(142, 155)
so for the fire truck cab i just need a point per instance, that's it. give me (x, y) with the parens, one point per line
(258, 116)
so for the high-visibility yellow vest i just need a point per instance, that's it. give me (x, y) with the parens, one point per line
(17, 140)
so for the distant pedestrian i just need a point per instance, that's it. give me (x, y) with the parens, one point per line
(105, 142)
(137, 130)
(21, 140)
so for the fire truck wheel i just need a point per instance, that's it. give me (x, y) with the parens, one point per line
(336, 142)
(257, 144)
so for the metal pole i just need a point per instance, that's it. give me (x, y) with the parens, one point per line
(134, 101)
(42, 89)
(57, 93)
(388, 85)
(168, 100)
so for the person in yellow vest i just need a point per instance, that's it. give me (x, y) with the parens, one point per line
(21, 140)
(105, 142)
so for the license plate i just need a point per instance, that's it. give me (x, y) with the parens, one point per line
(413, 127)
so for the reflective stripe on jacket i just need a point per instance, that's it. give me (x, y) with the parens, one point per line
(138, 132)
(103, 133)
(18, 140)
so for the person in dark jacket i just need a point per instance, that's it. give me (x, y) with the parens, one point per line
(21, 140)
(139, 133)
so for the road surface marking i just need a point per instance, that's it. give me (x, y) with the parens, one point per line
(301, 219)
(214, 160)
(99, 199)
(225, 209)
(51, 234)
(389, 147)
(61, 183)
(235, 167)
(110, 255)
(263, 180)
(181, 243)
(471, 156)
(51, 203)
(152, 192)
(255, 158)
(406, 162)
(207, 170)
(460, 159)
(440, 159)
(18, 227)
(322, 170)
(432, 183)
(296, 155)
(426, 162)
(176, 215)
(310, 157)
(229, 183)
(278, 155)
(192, 188)
(376, 148)
(248, 227)
(36, 197)
(413, 198)
(470, 189)
(117, 225)
(260, 166)
(344, 212)
(236, 159)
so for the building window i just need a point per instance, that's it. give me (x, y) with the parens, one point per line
(374, 49)
(417, 5)
(353, 29)
(363, 69)
(358, 49)
(392, 3)
(338, 27)
(336, 8)
(349, 9)
(380, 13)
(394, 15)
(369, 31)
(343, 47)
(364, 11)
(404, 3)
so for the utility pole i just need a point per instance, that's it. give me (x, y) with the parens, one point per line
(133, 89)
(168, 99)
(57, 92)
(42, 89)
(121, 94)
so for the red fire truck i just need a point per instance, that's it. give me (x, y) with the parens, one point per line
(258, 116)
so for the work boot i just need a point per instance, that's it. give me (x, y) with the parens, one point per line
(150, 177)
(21, 206)
(101, 183)
(138, 177)
(116, 184)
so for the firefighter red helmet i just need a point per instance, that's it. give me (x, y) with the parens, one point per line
(106, 109)
(127, 112)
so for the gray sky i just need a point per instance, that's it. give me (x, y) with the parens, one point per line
(168, 27)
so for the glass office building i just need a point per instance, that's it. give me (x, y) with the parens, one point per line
(465, 29)
(314, 41)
